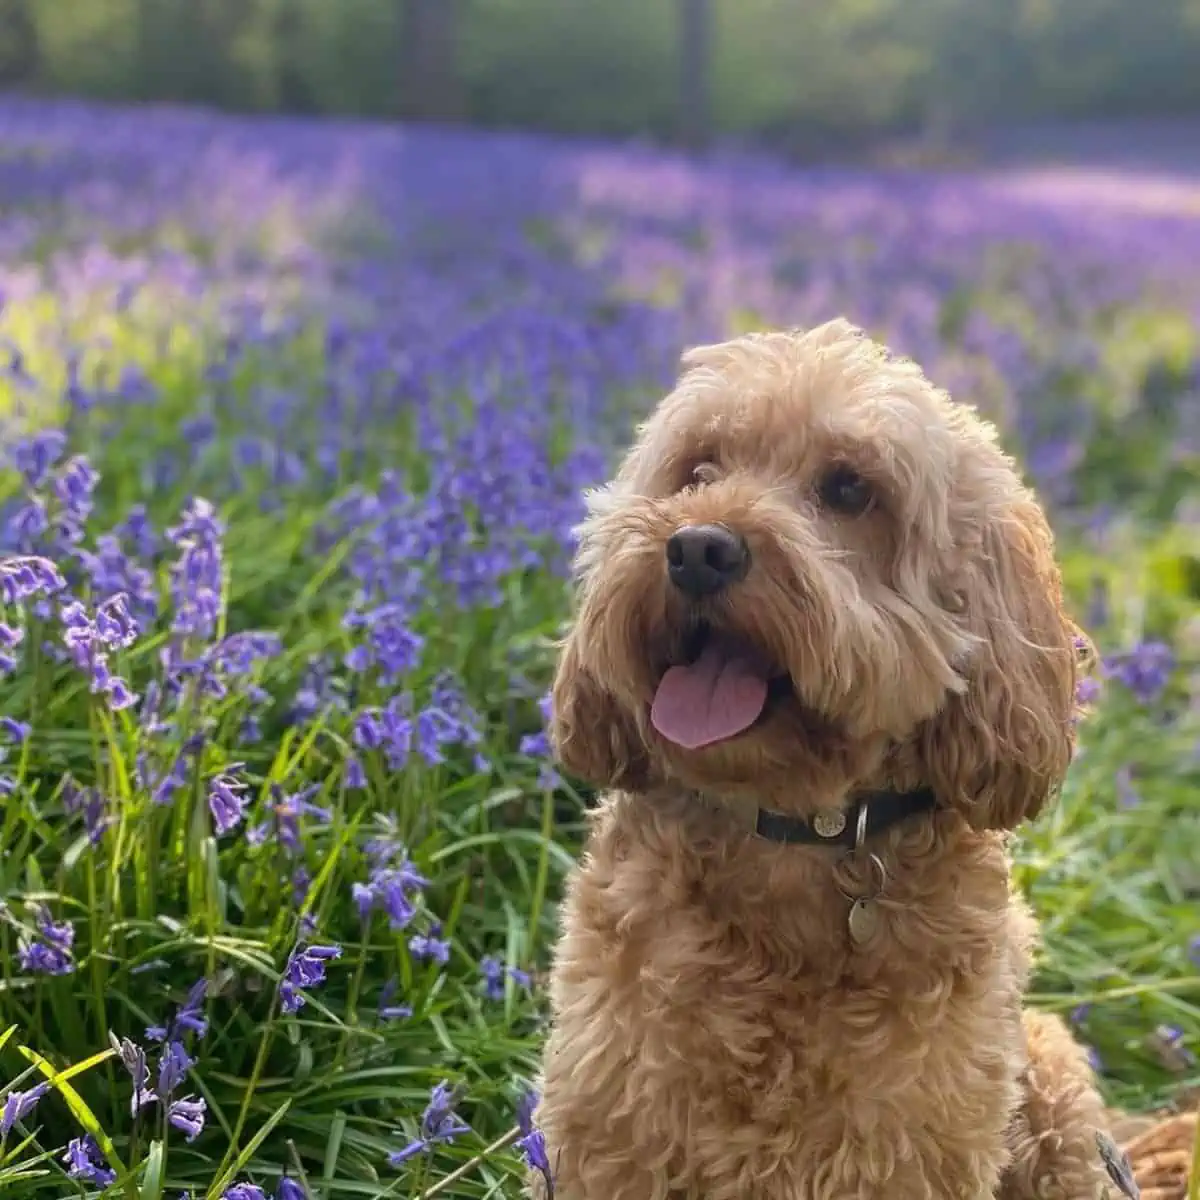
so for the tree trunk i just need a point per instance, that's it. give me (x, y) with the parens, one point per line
(695, 73)
(291, 84)
(19, 55)
(429, 83)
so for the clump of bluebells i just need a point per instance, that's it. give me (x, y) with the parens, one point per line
(283, 541)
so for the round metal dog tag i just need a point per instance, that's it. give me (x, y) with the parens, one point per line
(864, 921)
(829, 824)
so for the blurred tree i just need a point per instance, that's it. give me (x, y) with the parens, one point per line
(695, 70)
(812, 77)
(291, 80)
(19, 58)
(430, 86)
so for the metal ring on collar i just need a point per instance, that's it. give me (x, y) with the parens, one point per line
(881, 879)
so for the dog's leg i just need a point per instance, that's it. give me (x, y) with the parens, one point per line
(1053, 1138)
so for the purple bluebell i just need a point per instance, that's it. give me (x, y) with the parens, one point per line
(388, 1011)
(393, 884)
(51, 955)
(18, 731)
(35, 455)
(354, 777)
(133, 1059)
(188, 1115)
(173, 1066)
(493, 970)
(11, 637)
(1145, 670)
(84, 1162)
(196, 577)
(26, 578)
(288, 807)
(439, 1123)
(428, 947)
(532, 1143)
(115, 627)
(88, 644)
(290, 1189)
(162, 791)
(74, 483)
(305, 970)
(226, 802)
(244, 1191)
(18, 1105)
(389, 728)
(91, 805)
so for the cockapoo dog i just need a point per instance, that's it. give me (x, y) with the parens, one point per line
(821, 663)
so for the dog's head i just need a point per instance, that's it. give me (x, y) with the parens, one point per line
(811, 550)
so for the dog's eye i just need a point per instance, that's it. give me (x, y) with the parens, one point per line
(844, 490)
(705, 472)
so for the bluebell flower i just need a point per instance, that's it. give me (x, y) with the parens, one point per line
(173, 1066)
(52, 954)
(26, 578)
(1145, 670)
(84, 1162)
(305, 969)
(196, 577)
(389, 1011)
(429, 948)
(244, 1191)
(74, 484)
(88, 803)
(493, 970)
(226, 802)
(114, 625)
(18, 1105)
(532, 1143)
(354, 777)
(191, 1016)
(289, 1189)
(439, 1123)
(188, 1115)
(28, 523)
(176, 777)
(10, 638)
(392, 885)
(288, 808)
(17, 730)
(133, 1059)
(35, 455)
(88, 644)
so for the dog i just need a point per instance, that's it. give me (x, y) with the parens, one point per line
(820, 666)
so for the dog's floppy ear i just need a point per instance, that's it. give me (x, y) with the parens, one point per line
(998, 750)
(593, 736)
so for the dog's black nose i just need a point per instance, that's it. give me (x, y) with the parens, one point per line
(703, 559)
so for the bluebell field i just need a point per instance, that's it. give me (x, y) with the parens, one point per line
(295, 423)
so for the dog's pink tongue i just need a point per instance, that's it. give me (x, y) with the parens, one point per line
(719, 695)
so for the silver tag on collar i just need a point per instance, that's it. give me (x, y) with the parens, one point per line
(829, 823)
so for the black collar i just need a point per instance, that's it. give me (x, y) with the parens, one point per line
(866, 816)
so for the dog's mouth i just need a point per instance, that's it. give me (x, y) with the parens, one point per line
(722, 688)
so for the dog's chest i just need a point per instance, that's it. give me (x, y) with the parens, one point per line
(765, 1045)
(752, 1071)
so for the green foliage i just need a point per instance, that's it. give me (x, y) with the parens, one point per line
(780, 66)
